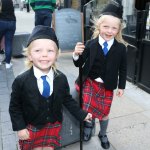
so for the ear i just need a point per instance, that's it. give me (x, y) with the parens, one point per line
(30, 57)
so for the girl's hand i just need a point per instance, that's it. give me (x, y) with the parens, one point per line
(23, 134)
(120, 92)
(79, 48)
(88, 118)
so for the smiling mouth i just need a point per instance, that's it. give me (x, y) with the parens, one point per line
(108, 35)
(44, 61)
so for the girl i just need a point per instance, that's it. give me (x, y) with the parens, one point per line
(39, 93)
(103, 60)
(7, 29)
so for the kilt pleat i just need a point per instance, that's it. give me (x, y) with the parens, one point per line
(96, 99)
(48, 136)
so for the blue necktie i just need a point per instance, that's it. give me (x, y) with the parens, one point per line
(105, 49)
(46, 87)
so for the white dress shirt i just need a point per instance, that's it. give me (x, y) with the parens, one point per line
(110, 42)
(49, 77)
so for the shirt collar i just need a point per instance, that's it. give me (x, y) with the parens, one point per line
(110, 42)
(38, 73)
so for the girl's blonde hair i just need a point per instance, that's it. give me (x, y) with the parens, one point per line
(29, 63)
(96, 27)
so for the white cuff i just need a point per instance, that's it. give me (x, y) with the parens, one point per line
(75, 57)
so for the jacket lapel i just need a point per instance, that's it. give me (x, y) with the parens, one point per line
(93, 50)
(113, 48)
(55, 84)
(33, 81)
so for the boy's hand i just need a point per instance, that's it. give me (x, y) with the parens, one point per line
(79, 48)
(120, 92)
(23, 134)
(88, 118)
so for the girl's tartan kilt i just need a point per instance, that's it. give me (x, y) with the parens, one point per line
(48, 136)
(96, 99)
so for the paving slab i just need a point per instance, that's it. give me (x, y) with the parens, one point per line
(9, 142)
(4, 97)
(124, 106)
(131, 138)
(4, 117)
(0, 135)
(93, 144)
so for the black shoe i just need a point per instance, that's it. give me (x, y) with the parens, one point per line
(87, 134)
(88, 127)
(2, 51)
(105, 144)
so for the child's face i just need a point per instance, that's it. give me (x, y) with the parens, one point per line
(43, 54)
(109, 27)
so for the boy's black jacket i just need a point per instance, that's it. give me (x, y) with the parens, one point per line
(24, 103)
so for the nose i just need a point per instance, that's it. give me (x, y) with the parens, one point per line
(110, 30)
(44, 53)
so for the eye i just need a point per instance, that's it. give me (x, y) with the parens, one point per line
(37, 50)
(50, 50)
(105, 26)
(114, 28)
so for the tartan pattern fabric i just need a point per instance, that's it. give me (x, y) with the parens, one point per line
(48, 136)
(96, 99)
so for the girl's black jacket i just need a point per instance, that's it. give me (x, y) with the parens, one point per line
(115, 63)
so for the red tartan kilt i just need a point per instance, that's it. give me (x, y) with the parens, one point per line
(48, 136)
(96, 99)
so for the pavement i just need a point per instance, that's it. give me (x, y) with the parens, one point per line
(129, 126)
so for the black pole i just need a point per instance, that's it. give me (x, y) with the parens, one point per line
(142, 13)
(80, 81)
(83, 9)
(82, 5)
(67, 3)
(85, 27)
(81, 102)
(140, 34)
(28, 7)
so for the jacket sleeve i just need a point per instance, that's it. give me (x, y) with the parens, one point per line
(72, 105)
(123, 69)
(15, 107)
(84, 55)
